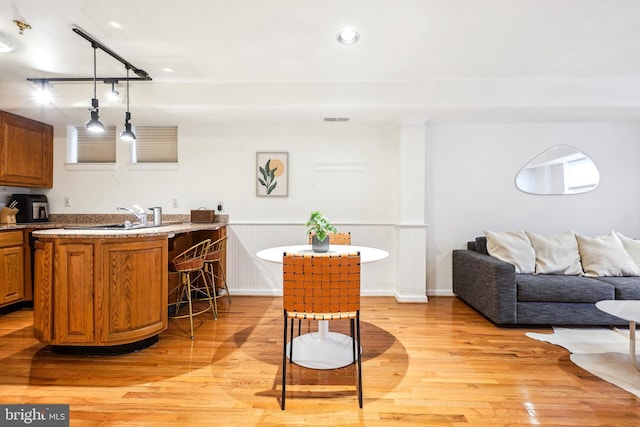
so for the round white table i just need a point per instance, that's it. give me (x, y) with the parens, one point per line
(366, 254)
(628, 310)
(323, 349)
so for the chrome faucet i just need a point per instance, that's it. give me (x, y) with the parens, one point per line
(138, 212)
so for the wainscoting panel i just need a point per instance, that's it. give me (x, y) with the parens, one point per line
(249, 275)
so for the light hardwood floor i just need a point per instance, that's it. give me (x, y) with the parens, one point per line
(434, 364)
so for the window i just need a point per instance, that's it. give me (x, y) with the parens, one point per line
(156, 147)
(581, 175)
(89, 147)
(155, 144)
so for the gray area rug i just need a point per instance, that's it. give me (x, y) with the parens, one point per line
(602, 351)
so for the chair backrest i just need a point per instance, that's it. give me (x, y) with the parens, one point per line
(216, 249)
(336, 238)
(321, 283)
(192, 258)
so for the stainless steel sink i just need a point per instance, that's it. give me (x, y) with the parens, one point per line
(114, 227)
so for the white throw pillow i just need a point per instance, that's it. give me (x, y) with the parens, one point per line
(512, 247)
(556, 254)
(632, 246)
(605, 256)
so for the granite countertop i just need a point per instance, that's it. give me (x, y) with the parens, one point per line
(169, 229)
(30, 225)
(75, 225)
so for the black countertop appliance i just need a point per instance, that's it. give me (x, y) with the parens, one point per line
(31, 207)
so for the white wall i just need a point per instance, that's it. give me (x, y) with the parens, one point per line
(217, 163)
(470, 172)
(470, 185)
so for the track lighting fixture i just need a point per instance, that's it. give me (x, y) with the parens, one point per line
(94, 124)
(42, 94)
(127, 134)
(113, 94)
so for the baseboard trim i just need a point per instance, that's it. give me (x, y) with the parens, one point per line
(278, 293)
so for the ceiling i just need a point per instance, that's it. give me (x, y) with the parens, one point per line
(278, 60)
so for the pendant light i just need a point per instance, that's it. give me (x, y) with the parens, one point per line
(127, 134)
(94, 124)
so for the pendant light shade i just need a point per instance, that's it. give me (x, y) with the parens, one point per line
(127, 134)
(94, 124)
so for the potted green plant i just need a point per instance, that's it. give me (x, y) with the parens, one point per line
(320, 226)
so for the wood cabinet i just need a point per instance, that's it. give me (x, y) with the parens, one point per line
(74, 288)
(100, 292)
(11, 267)
(134, 291)
(26, 152)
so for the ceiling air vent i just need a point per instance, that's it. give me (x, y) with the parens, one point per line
(336, 119)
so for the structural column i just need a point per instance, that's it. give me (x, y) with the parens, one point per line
(411, 249)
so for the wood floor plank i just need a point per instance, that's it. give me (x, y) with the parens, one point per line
(434, 364)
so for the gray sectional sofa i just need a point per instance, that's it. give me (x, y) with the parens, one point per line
(492, 287)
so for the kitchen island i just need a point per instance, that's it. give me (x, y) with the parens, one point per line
(106, 291)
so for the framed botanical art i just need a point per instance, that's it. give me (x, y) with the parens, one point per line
(272, 174)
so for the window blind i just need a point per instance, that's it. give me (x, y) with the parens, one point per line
(156, 144)
(96, 147)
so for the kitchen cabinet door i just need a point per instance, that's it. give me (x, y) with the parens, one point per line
(11, 275)
(43, 299)
(74, 291)
(26, 152)
(133, 294)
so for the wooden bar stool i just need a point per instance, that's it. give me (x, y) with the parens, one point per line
(214, 270)
(192, 282)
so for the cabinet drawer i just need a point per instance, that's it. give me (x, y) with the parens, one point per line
(10, 238)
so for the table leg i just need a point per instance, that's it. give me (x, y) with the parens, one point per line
(323, 329)
(632, 343)
(323, 349)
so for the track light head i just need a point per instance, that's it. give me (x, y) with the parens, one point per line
(113, 94)
(94, 124)
(127, 134)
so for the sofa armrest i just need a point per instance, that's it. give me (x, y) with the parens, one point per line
(487, 284)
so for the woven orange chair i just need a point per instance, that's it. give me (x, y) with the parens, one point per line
(189, 265)
(336, 238)
(321, 287)
(214, 271)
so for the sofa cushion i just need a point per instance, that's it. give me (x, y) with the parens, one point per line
(632, 246)
(605, 256)
(513, 247)
(560, 288)
(556, 254)
(626, 287)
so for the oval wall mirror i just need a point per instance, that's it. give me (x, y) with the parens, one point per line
(559, 170)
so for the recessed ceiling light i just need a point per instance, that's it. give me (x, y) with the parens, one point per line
(348, 36)
(6, 44)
